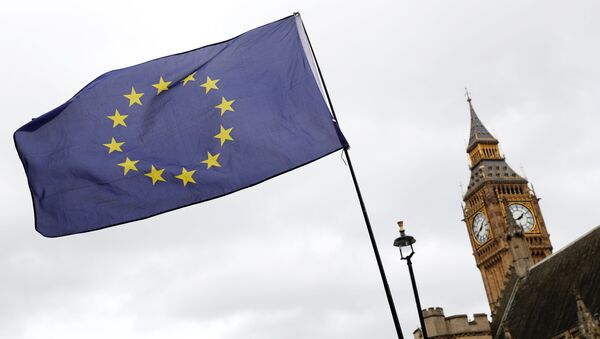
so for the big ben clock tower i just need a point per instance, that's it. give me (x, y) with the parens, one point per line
(494, 191)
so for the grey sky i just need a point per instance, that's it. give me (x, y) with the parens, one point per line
(291, 258)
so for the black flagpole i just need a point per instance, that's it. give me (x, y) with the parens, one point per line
(388, 293)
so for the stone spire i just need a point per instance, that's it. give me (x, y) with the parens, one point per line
(507, 334)
(589, 328)
(518, 245)
(479, 134)
(513, 229)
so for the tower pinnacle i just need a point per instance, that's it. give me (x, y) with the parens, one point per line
(518, 246)
(479, 134)
(486, 162)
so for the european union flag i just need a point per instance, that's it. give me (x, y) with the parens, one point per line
(178, 130)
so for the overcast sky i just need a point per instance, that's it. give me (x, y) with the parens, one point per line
(291, 258)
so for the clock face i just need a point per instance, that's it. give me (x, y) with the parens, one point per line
(522, 216)
(481, 228)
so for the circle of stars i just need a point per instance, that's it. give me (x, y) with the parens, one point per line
(156, 174)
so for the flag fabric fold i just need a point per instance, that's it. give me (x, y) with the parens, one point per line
(178, 130)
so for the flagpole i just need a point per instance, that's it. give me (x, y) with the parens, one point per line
(388, 293)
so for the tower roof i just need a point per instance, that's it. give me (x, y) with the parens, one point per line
(490, 167)
(492, 171)
(479, 134)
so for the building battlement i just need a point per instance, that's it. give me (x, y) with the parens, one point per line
(433, 311)
(456, 326)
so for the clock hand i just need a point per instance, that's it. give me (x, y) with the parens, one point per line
(519, 218)
(479, 229)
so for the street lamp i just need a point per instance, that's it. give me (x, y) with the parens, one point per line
(406, 242)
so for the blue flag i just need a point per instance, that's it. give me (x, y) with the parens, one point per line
(178, 130)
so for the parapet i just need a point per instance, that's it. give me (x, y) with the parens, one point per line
(433, 312)
(456, 326)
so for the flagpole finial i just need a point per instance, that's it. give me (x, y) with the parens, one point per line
(467, 94)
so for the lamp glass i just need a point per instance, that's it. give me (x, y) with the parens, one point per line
(406, 250)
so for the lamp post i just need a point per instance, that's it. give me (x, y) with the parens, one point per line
(406, 242)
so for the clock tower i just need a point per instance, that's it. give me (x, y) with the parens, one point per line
(494, 192)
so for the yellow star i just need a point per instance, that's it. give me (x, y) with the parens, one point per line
(118, 119)
(129, 165)
(210, 84)
(134, 98)
(155, 175)
(189, 78)
(161, 85)
(114, 146)
(225, 105)
(212, 160)
(186, 176)
(224, 135)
